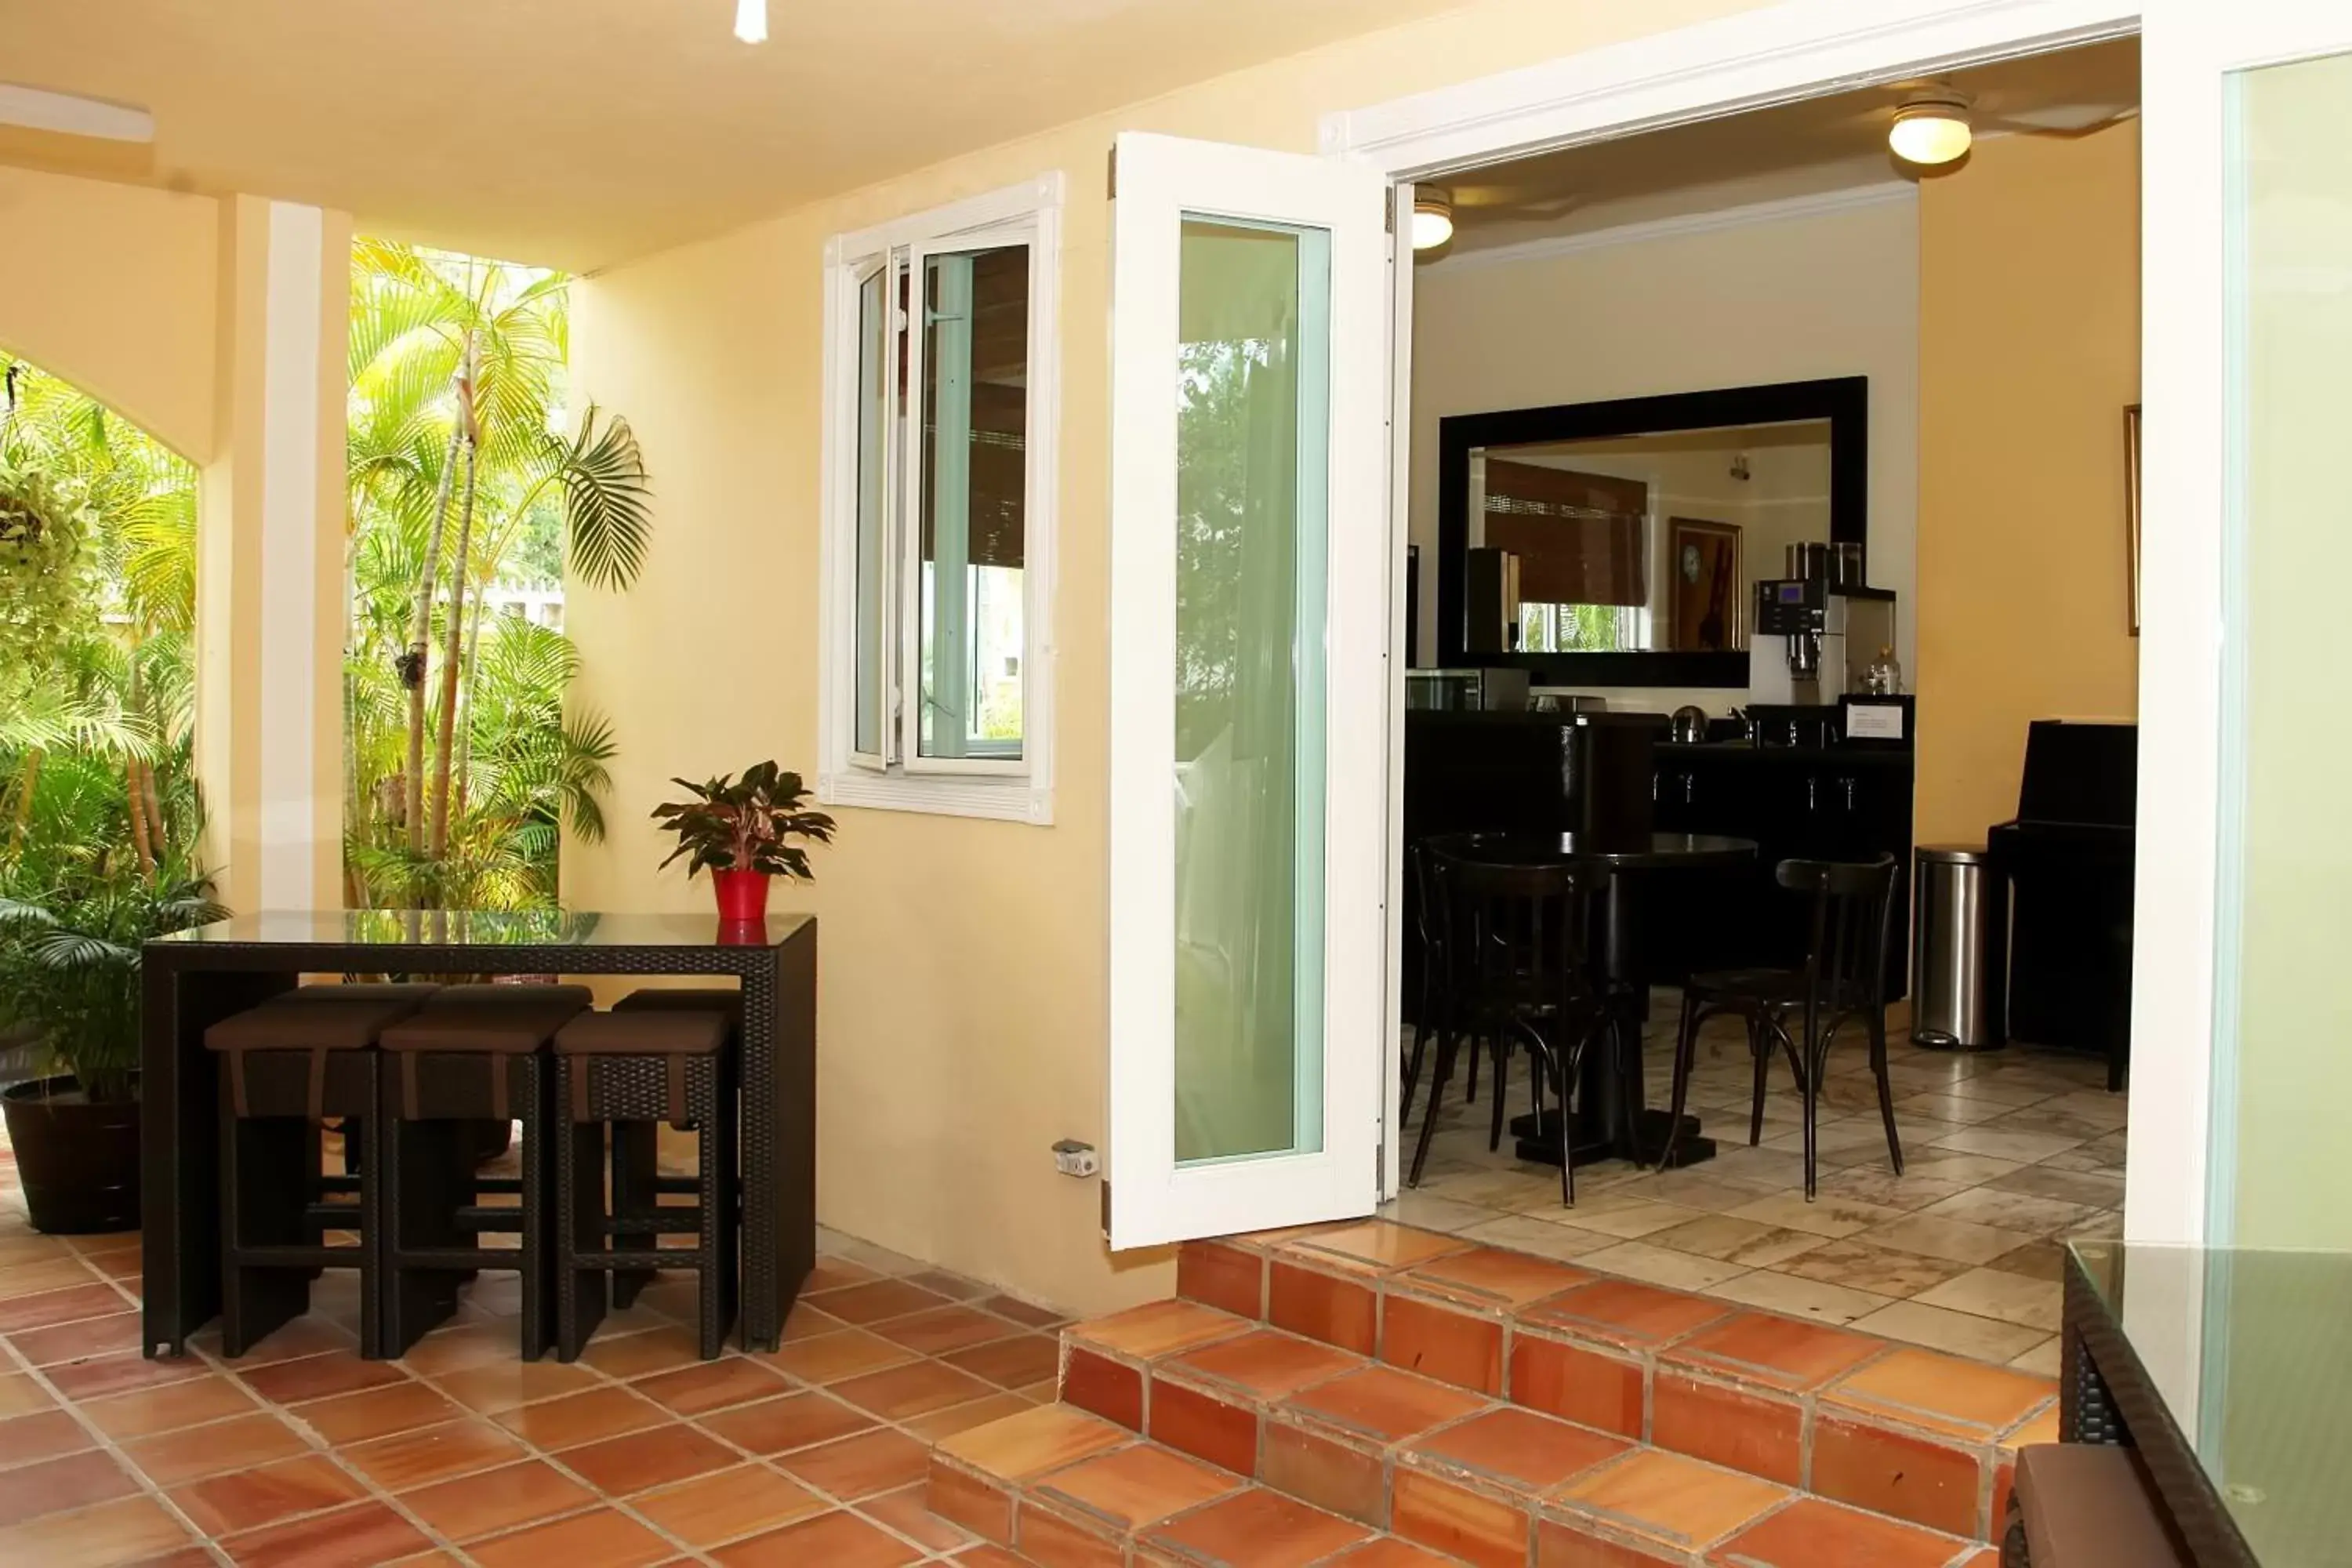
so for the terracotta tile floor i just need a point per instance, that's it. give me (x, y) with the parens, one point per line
(2007, 1153)
(640, 1454)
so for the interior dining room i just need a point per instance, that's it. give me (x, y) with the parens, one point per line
(1773, 589)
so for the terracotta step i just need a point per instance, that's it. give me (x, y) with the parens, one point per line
(1923, 1438)
(1064, 1488)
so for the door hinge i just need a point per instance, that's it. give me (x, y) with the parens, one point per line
(1390, 215)
(1111, 192)
(1106, 1208)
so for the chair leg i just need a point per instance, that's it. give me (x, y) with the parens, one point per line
(1686, 1060)
(1502, 1081)
(1470, 1095)
(1413, 1071)
(1759, 1054)
(1446, 1049)
(1878, 1022)
(1814, 1063)
(636, 1194)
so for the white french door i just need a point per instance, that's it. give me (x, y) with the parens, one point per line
(1249, 621)
(2237, 1027)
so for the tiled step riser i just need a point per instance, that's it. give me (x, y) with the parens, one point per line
(1944, 1482)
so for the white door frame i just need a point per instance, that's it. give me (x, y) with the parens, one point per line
(1786, 53)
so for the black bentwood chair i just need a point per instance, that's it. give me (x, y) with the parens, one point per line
(1850, 939)
(1517, 946)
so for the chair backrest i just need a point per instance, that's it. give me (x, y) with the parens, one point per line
(1850, 929)
(1514, 937)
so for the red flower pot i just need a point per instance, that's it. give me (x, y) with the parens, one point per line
(742, 895)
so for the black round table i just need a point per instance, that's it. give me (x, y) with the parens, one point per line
(1601, 1131)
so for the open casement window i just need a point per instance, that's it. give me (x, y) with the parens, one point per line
(1250, 597)
(941, 383)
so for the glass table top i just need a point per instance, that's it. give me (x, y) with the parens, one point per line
(2252, 1352)
(484, 928)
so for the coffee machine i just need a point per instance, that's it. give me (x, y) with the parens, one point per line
(1817, 629)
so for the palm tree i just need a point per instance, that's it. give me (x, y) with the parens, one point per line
(457, 381)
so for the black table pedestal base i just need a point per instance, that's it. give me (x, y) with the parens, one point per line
(1540, 1145)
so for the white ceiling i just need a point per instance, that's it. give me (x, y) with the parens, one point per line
(576, 134)
(1810, 148)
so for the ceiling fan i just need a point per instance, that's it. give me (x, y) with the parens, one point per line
(70, 114)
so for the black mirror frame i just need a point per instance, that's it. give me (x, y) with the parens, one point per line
(1843, 401)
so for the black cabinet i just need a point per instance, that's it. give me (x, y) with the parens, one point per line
(1834, 804)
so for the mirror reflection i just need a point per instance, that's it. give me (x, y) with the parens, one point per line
(1646, 542)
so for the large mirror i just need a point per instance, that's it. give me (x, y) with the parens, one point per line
(1619, 544)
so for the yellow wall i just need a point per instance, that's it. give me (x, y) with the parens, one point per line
(2029, 353)
(962, 1006)
(113, 288)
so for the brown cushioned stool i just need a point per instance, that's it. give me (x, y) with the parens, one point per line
(475, 1054)
(638, 1180)
(287, 1064)
(642, 1065)
(2084, 1505)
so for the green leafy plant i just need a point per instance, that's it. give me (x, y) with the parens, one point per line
(69, 967)
(745, 825)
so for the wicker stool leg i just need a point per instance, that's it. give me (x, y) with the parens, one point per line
(637, 1172)
(714, 1288)
(537, 1209)
(423, 1174)
(264, 1202)
(580, 1292)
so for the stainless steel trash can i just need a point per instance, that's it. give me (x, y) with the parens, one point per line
(1960, 953)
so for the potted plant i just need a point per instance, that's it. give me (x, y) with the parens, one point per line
(69, 978)
(743, 830)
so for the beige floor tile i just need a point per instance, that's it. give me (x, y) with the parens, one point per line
(1695, 1189)
(1661, 1266)
(1729, 1239)
(1824, 1216)
(2042, 1359)
(2019, 1211)
(1767, 1170)
(1990, 1293)
(1933, 1165)
(1628, 1219)
(1777, 1292)
(1955, 1333)
(2105, 1225)
(1504, 1191)
(1877, 1184)
(1932, 1236)
(2099, 1189)
(1953, 1107)
(2036, 1260)
(1433, 1213)
(2006, 1089)
(1541, 1237)
(2025, 1147)
(2109, 1111)
(1855, 1264)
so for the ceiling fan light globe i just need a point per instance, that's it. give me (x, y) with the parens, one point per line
(1929, 134)
(1432, 222)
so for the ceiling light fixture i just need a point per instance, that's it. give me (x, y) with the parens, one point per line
(1931, 129)
(752, 21)
(1432, 219)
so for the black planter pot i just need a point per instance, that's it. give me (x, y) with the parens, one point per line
(78, 1162)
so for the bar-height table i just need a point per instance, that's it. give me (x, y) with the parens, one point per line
(196, 978)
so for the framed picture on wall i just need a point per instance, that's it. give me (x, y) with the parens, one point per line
(2131, 508)
(1705, 597)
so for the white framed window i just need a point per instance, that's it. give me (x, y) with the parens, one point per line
(942, 424)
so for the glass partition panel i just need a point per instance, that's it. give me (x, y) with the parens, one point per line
(1253, 399)
(2282, 1068)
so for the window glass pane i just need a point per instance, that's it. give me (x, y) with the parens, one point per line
(2282, 1072)
(873, 459)
(1252, 459)
(975, 493)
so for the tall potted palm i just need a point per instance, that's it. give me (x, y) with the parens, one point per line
(69, 978)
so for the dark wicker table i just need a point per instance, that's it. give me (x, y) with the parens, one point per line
(196, 977)
(2230, 1372)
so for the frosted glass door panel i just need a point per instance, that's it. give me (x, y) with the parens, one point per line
(1253, 399)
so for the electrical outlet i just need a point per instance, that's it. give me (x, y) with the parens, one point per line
(1073, 1158)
